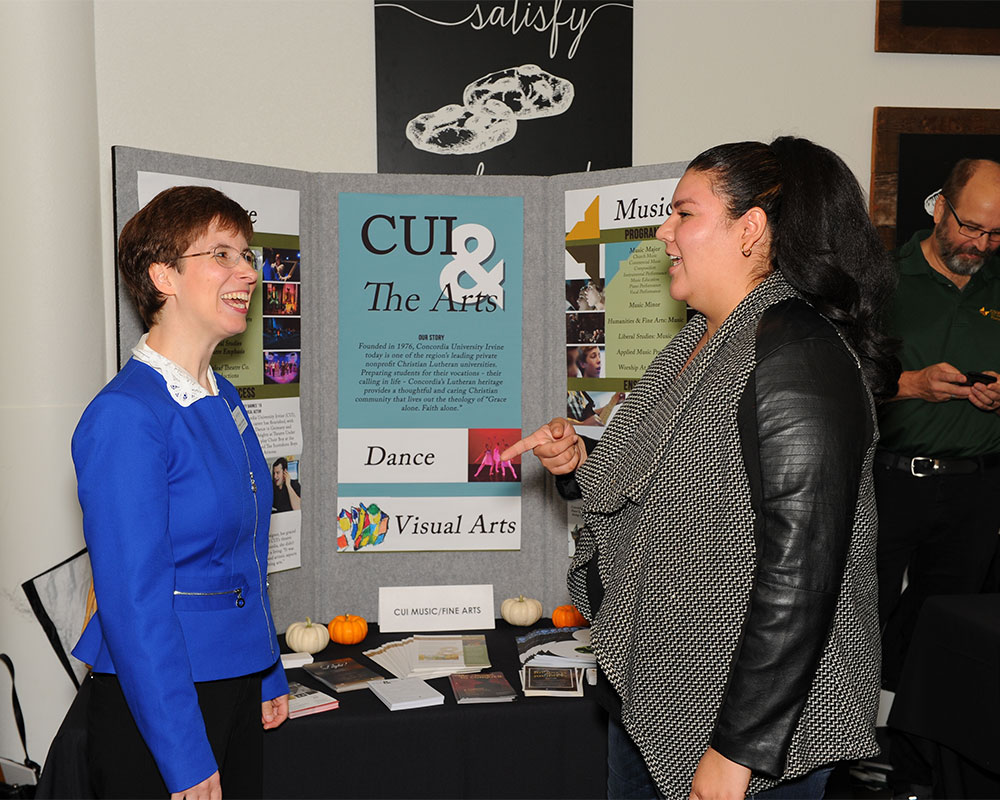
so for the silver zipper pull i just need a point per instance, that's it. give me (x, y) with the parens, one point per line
(240, 602)
(253, 483)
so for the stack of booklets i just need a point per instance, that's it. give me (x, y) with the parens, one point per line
(552, 681)
(427, 657)
(554, 660)
(295, 660)
(303, 701)
(342, 674)
(481, 687)
(400, 694)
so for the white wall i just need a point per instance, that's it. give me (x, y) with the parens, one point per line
(290, 83)
(710, 71)
(53, 322)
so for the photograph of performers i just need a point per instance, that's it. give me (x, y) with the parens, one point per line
(485, 446)
(584, 295)
(585, 328)
(281, 264)
(281, 367)
(590, 361)
(281, 299)
(282, 334)
(585, 408)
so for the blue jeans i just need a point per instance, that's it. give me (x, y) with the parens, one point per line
(808, 787)
(629, 779)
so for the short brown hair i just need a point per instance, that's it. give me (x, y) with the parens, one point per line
(582, 353)
(163, 229)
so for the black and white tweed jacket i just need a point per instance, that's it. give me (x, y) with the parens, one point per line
(731, 510)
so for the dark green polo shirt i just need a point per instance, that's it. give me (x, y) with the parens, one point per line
(937, 322)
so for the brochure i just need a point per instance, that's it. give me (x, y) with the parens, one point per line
(303, 701)
(556, 647)
(400, 694)
(426, 656)
(482, 687)
(342, 674)
(552, 682)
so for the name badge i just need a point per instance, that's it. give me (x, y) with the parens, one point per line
(240, 420)
(435, 608)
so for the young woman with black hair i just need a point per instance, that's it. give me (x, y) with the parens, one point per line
(728, 558)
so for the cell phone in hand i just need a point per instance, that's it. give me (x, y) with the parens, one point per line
(978, 377)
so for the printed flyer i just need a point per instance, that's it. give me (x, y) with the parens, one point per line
(429, 381)
(263, 362)
(619, 312)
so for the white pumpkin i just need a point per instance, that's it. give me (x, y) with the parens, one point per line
(521, 610)
(305, 637)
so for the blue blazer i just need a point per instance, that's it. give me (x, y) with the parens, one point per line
(176, 508)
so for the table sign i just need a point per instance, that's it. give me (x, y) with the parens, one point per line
(435, 608)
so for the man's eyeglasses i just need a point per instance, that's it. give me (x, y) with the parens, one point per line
(228, 257)
(971, 231)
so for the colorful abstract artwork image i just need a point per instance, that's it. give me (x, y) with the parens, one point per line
(361, 526)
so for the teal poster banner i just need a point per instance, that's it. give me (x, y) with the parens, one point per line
(429, 371)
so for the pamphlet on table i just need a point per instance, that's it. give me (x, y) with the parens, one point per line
(426, 656)
(482, 687)
(295, 660)
(400, 694)
(342, 674)
(556, 647)
(552, 681)
(303, 701)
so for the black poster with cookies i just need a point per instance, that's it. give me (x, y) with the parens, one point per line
(503, 88)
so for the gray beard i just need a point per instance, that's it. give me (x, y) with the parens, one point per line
(953, 256)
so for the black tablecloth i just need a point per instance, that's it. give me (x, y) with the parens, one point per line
(533, 747)
(949, 693)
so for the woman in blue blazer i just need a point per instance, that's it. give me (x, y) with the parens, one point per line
(176, 502)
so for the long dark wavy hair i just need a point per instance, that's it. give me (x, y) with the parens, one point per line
(822, 240)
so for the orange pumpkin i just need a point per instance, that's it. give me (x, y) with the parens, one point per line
(347, 629)
(568, 617)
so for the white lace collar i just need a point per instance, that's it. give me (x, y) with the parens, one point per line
(180, 383)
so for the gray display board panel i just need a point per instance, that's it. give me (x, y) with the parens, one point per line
(330, 583)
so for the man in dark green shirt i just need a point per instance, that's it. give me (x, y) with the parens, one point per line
(937, 472)
(938, 469)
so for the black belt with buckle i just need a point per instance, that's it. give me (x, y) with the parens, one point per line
(924, 466)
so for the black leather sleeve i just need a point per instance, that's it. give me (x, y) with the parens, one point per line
(566, 485)
(805, 426)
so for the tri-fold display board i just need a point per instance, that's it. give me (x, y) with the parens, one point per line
(407, 328)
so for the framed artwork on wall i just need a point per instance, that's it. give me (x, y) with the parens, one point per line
(969, 27)
(913, 149)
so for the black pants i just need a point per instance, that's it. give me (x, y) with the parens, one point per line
(122, 766)
(943, 530)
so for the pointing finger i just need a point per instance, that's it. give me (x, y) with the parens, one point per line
(541, 436)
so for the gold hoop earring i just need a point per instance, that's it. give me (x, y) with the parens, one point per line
(746, 253)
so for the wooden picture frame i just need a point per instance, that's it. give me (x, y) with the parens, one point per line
(900, 179)
(894, 32)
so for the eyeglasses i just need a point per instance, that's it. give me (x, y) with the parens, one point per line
(228, 257)
(971, 231)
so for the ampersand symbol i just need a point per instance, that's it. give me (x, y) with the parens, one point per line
(470, 262)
